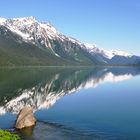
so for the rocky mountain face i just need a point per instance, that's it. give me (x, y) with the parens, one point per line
(42, 44)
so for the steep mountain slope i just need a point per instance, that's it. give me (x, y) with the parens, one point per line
(25, 41)
(15, 51)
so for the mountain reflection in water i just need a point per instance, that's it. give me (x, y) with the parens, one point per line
(40, 88)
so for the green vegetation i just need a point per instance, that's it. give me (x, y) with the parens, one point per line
(5, 135)
(13, 54)
(16, 52)
(72, 52)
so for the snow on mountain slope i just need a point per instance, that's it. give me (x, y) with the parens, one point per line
(30, 27)
(2, 20)
(108, 54)
(25, 27)
(44, 35)
(112, 57)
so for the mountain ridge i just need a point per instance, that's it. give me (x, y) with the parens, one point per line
(46, 38)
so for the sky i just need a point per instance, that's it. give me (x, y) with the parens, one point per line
(111, 24)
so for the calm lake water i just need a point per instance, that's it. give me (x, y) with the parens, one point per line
(73, 104)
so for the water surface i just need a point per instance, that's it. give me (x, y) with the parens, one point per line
(84, 103)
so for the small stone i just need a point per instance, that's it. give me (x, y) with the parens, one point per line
(25, 118)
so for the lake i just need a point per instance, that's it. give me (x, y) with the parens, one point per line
(99, 103)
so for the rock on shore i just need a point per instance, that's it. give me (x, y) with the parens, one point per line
(25, 118)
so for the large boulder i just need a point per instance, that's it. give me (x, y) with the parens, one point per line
(25, 118)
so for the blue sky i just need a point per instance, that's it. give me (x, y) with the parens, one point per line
(111, 24)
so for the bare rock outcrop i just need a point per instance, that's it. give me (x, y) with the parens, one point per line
(25, 118)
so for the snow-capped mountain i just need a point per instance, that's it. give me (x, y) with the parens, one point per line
(45, 37)
(107, 54)
(30, 29)
(112, 56)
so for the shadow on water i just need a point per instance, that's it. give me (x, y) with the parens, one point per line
(40, 88)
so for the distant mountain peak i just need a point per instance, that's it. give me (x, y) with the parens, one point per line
(92, 48)
(25, 19)
(30, 18)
